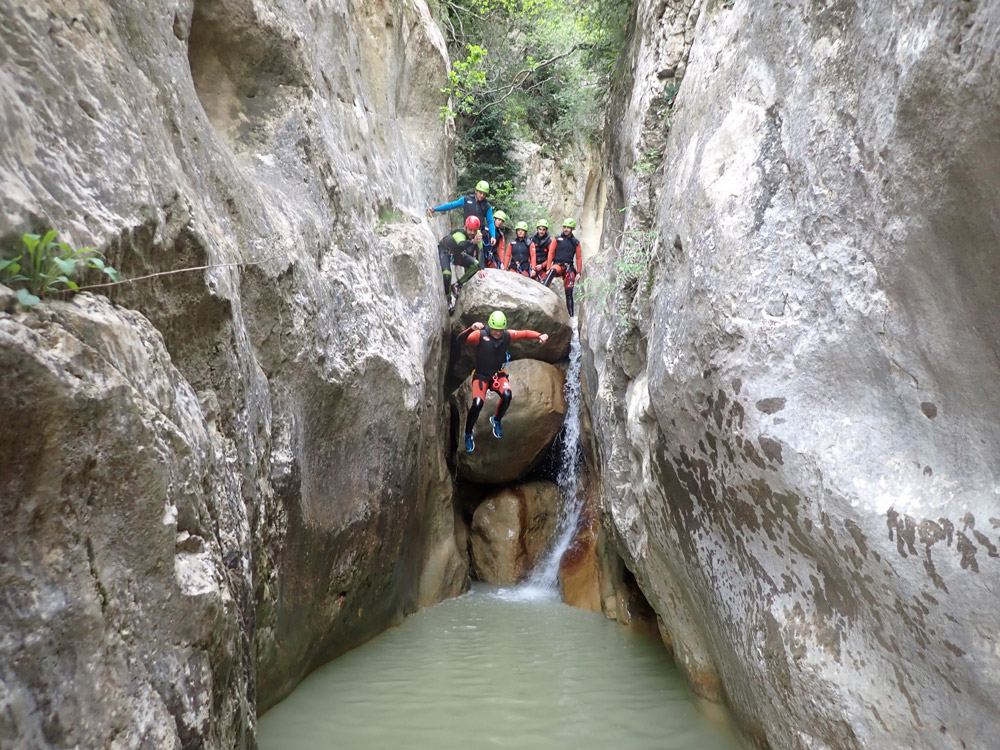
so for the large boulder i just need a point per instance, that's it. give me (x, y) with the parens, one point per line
(799, 432)
(512, 529)
(534, 418)
(527, 305)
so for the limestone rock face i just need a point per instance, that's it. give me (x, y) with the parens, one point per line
(527, 304)
(532, 421)
(567, 183)
(124, 584)
(797, 434)
(511, 529)
(227, 132)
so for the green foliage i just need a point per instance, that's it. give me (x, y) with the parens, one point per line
(531, 69)
(649, 161)
(549, 61)
(466, 77)
(614, 287)
(46, 266)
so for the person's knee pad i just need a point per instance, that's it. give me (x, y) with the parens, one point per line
(477, 403)
(506, 396)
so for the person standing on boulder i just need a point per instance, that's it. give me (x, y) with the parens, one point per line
(566, 260)
(457, 247)
(491, 359)
(539, 246)
(518, 255)
(474, 204)
(494, 255)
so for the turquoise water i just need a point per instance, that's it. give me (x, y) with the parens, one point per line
(496, 668)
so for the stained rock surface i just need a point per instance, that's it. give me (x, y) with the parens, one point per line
(511, 529)
(532, 421)
(285, 145)
(796, 432)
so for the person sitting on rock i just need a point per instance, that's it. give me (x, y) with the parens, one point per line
(491, 359)
(456, 247)
(474, 204)
(518, 255)
(540, 246)
(566, 260)
(494, 255)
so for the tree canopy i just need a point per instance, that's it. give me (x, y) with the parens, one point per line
(536, 69)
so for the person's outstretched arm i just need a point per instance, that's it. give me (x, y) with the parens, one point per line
(471, 335)
(515, 335)
(446, 206)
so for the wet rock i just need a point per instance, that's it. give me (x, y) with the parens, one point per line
(527, 304)
(805, 525)
(511, 529)
(531, 423)
(580, 567)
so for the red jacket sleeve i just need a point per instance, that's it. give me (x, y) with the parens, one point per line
(552, 251)
(469, 336)
(515, 335)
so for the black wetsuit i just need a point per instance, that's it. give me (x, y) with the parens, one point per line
(456, 248)
(520, 257)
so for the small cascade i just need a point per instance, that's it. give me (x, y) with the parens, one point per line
(546, 573)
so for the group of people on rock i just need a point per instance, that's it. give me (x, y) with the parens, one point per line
(482, 243)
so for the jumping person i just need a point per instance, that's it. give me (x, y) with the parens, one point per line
(457, 248)
(540, 247)
(489, 375)
(518, 255)
(494, 255)
(474, 204)
(566, 260)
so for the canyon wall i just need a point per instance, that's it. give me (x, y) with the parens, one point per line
(793, 403)
(232, 474)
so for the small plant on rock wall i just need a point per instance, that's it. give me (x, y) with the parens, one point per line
(615, 286)
(46, 266)
(649, 161)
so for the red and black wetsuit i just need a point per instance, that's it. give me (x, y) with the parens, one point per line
(565, 259)
(540, 246)
(494, 255)
(519, 257)
(491, 358)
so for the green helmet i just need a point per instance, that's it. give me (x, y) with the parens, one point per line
(483, 186)
(570, 222)
(522, 225)
(542, 223)
(500, 215)
(498, 321)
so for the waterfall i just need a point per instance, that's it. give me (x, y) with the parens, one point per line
(546, 573)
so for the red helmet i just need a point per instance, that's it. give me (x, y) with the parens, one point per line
(472, 223)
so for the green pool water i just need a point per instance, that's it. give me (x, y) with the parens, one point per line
(497, 668)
